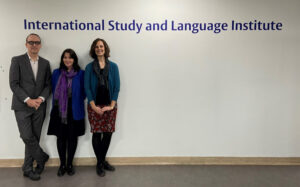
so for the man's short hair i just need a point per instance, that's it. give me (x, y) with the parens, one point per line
(33, 34)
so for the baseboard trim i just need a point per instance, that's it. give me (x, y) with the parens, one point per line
(169, 161)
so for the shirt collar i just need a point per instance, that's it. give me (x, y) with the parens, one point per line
(30, 59)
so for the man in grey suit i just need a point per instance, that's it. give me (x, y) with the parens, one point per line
(30, 82)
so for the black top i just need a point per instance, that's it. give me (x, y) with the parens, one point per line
(102, 97)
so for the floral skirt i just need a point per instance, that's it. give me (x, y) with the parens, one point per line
(102, 123)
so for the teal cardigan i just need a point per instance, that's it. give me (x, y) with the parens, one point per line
(91, 82)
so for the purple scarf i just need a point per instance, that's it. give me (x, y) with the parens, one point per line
(61, 92)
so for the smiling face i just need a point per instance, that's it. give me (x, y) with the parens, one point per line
(68, 61)
(33, 45)
(99, 49)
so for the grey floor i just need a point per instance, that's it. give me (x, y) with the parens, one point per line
(162, 176)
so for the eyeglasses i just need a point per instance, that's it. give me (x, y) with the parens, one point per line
(34, 42)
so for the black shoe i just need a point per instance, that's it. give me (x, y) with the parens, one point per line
(61, 171)
(108, 167)
(33, 176)
(70, 170)
(40, 166)
(100, 171)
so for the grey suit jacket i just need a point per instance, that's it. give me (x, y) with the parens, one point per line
(23, 83)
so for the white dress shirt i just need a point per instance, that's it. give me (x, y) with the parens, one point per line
(34, 65)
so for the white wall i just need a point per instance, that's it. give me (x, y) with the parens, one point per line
(182, 94)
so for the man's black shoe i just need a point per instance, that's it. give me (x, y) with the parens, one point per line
(40, 166)
(108, 167)
(31, 175)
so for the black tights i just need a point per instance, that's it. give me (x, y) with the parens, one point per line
(66, 146)
(101, 143)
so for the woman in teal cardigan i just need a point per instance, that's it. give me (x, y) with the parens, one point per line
(102, 86)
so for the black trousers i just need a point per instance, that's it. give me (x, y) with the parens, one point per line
(101, 142)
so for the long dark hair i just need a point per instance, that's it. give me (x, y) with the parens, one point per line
(73, 55)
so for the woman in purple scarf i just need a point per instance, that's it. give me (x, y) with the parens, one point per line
(67, 114)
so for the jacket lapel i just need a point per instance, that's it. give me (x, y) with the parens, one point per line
(28, 66)
(39, 71)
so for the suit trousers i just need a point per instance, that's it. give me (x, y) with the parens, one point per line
(30, 124)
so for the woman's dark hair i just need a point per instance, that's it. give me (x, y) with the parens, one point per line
(93, 46)
(73, 55)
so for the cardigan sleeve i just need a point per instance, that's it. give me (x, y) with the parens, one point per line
(54, 79)
(87, 83)
(82, 83)
(116, 80)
